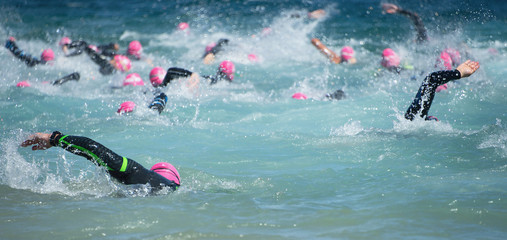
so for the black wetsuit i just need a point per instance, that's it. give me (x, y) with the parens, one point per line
(79, 47)
(108, 50)
(27, 58)
(217, 48)
(418, 23)
(426, 93)
(121, 168)
(106, 68)
(101, 59)
(174, 73)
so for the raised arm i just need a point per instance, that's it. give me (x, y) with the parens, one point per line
(416, 20)
(20, 54)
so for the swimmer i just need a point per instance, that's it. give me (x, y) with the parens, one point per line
(225, 71)
(336, 95)
(346, 53)
(80, 46)
(424, 97)
(316, 14)
(134, 50)
(213, 49)
(47, 55)
(109, 66)
(125, 170)
(416, 20)
(391, 60)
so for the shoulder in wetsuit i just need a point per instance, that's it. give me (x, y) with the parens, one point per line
(123, 169)
(79, 46)
(106, 68)
(18, 53)
(426, 93)
(109, 50)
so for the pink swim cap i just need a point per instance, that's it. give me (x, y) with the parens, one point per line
(122, 63)
(47, 55)
(93, 47)
(299, 95)
(266, 31)
(64, 40)
(347, 53)
(252, 57)
(455, 56)
(167, 170)
(390, 58)
(126, 107)
(227, 67)
(183, 26)
(135, 48)
(444, 60)
(133, 79)
(23, 84)
(210, 46)
(157, 76)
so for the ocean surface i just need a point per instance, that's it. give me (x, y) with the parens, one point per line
(254, 162)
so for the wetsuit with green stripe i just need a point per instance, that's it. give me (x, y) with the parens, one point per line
(121, 168)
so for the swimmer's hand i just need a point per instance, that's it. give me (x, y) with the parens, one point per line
(390, 8)
(317, 14)
(468, 68)
(40, 141)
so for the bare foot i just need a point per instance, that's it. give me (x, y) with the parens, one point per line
(468, 68)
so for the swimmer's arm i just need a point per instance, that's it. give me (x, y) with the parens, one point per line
(81, 146)
(416, 20)
(20, 54)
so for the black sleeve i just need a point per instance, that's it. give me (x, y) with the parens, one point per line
(78, 47)
(426, 93)
(89, 149)
(107, 50)
(106, 68)
(121, 168)
(20, 54)
(418, 24)
(173, 73)
(220, 46)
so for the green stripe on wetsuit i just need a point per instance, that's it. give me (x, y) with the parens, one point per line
(95, 157)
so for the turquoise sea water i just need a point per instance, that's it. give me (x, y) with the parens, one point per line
(255, 163)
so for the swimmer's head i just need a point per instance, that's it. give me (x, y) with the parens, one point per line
(227, 69)
(444, 61)
(182, 26)
(157, 75)
(135, 48)
(122, 63)
(133, 79)
(347, 53)
(455, 56)
(167, 170)
(23, 84)
(93, 47)
(126, 107)
(300, 96)
(47, 55)
(64, 41)
(210, 46)
(253, 58)
(390, 58)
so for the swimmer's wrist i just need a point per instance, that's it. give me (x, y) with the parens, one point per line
(55, 137)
